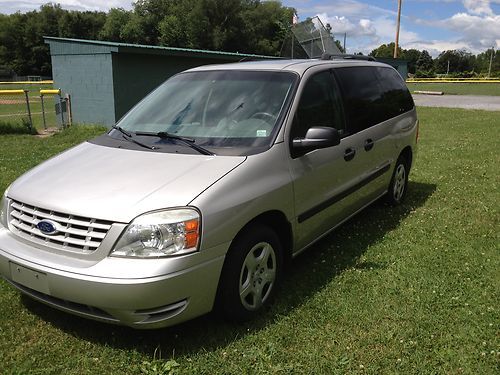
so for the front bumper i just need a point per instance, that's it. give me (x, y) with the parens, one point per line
(185, 291)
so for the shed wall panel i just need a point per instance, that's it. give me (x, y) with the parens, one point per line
(89, 81)
(137, 75)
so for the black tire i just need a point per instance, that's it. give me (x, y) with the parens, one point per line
(249, 277)
(399, 182)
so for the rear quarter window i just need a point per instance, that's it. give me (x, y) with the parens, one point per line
(372, 95)
(361, 95)
(396, 98)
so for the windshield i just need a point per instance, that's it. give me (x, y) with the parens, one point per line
(215, 108)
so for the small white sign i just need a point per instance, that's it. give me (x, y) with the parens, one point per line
(262, 133)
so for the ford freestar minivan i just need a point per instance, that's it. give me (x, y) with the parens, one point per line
(196, 198)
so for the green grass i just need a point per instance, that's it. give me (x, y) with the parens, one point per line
(34, 88)
(458, 88)
(412, 289)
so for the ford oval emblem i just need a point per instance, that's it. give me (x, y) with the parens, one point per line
(47, 226)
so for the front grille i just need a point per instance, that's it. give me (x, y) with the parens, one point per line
(74, 233)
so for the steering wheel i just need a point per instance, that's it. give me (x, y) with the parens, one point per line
(267, 117)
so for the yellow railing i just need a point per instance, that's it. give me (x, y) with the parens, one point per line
(12, 92)
(50, 92)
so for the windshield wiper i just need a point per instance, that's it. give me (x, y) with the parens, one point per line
(129, 137)
(121, 130)
(187, 141)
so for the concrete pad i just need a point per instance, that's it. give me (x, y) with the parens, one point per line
(487, 103)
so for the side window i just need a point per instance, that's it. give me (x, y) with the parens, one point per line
(320, 105)
(396, 97)
(362, 97)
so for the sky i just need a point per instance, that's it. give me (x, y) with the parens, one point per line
(433, 25)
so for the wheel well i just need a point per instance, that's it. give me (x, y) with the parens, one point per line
(277, 221)
(408, 155)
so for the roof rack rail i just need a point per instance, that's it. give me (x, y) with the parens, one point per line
(329, 56)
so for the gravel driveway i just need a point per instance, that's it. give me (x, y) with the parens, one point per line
(488, 103)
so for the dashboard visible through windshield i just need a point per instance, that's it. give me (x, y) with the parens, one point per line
(230, 109)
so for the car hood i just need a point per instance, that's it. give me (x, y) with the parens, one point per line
(116, 184)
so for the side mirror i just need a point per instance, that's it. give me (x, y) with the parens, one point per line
(316, 137)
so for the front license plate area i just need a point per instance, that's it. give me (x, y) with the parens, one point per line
(29, 278)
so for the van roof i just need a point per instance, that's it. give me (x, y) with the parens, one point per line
(297, 66)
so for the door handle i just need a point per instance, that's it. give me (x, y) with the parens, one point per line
(349, 154)
(369, 144)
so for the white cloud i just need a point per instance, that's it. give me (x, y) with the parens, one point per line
(364, 35)
(478, 7)
(435, 47)
(341, 25)
(386, 30)
(475, 33)
(350, 8)
(12, 6)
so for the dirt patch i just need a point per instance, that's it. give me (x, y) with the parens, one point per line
(20, 101)
(44, 133)
(12, 101)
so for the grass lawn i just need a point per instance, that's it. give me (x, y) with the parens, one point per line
(34, 88)
(458, 88)
(412, 289)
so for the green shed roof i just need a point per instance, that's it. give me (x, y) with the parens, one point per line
(98, 46)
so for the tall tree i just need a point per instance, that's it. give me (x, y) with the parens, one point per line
(112, 29)
(385, 50)
(250, 26)
(266, 25)
(482, 64)
(411, 55)
(458, 60)
(424, 62)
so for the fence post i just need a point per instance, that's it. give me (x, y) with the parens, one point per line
(63, 125)
(69, 110)
(29, 110)
(43, 112)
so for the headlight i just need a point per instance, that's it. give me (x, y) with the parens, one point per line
(159, 234)
(3, 209)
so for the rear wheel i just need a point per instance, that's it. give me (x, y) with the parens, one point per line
(399, 182)
(250, 275)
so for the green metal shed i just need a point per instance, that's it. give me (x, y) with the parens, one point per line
(399, 64)
(106, 79)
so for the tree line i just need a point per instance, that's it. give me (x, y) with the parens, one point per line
(247, 26)
(454, 63)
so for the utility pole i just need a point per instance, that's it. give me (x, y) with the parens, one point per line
(397, 30)
(491, 60)
(345, 36)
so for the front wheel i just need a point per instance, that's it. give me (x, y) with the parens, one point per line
(399, 182)
(250, 274)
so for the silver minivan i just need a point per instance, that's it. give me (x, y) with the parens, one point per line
(199, 195)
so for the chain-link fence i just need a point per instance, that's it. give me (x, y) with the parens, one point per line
(23, 110)
(55, 109)
(15, 109)
(309, 39)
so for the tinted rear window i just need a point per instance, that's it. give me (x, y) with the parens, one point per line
(396, 97)
(372, 95)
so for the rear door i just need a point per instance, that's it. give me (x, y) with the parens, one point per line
(369, 127)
